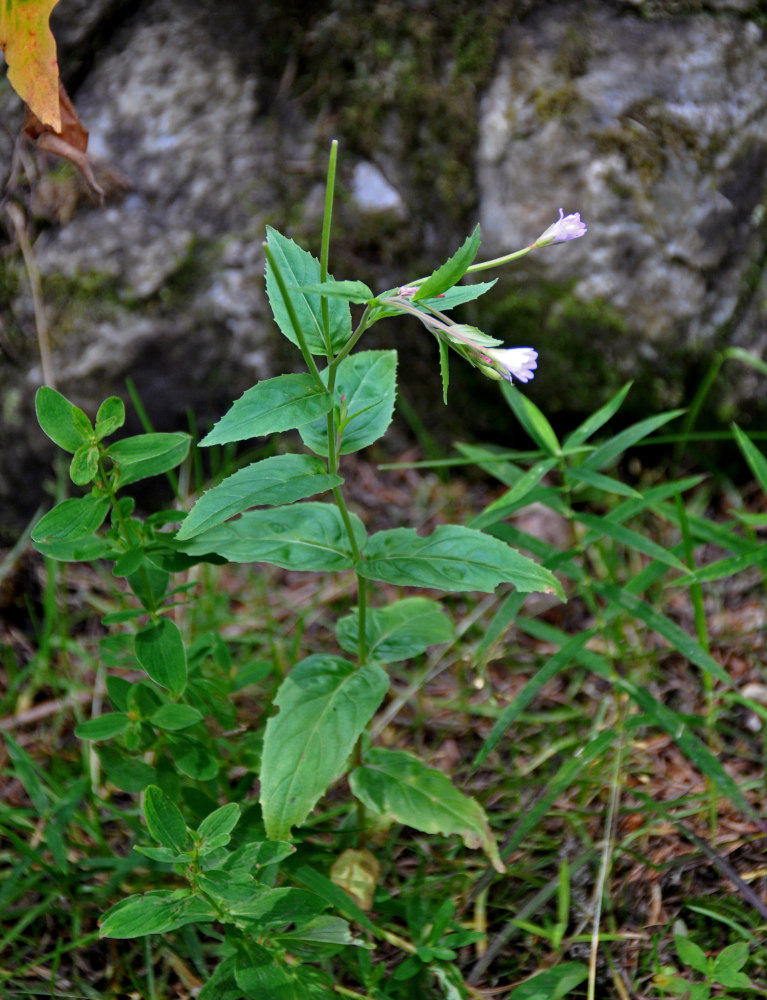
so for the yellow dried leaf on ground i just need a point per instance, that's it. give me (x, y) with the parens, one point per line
(30, 51)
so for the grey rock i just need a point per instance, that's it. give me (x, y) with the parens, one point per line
(650, 118)
(373, 193)
(657, 132)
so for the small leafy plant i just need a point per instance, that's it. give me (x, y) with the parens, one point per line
(166, 737)
(265, 866)
(723, 970)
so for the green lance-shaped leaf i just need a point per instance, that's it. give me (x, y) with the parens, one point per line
(160, 651)
(349, 291)
(756, 460)
(454, 296)
(397, 632)
(156, 913)
(324, 706)
(396, 783)
(281, 479)
(451, 558)
(299, 268)
(64, 423)
(367, 381)
(303, 536)
(71, 520)
(531, 418)
(552, 984)
(452, 270)
(274, 405)
(147, 455)
(164, 820)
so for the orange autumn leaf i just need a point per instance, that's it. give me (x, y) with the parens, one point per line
(30, 51)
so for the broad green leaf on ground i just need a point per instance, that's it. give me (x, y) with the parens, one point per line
(147, 455)
(452, 270)
(64, 423)
(269, 407)
(451, 558)
(366, 382)
(324, 704)
(160, 651)
(551, 984)
(156, 912)
(281, 479)
(395, 783)
(303, 536)
(397, 632)
(164, 820)
(30, 51)
(299, 268)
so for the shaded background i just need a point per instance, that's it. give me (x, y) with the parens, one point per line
(211, 118)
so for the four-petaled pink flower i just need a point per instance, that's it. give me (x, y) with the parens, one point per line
(517, 361)
(567, 227)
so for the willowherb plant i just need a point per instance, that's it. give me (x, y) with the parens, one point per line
(157, 741)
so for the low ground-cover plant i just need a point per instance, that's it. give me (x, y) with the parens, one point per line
(258, 892)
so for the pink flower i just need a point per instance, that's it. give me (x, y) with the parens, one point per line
(517, 361)
(567, 227)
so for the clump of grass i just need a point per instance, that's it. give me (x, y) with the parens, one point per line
(617, 739)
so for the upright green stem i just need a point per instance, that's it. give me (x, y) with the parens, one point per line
(325, 249)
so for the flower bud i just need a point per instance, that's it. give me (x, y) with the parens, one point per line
(567, 227)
